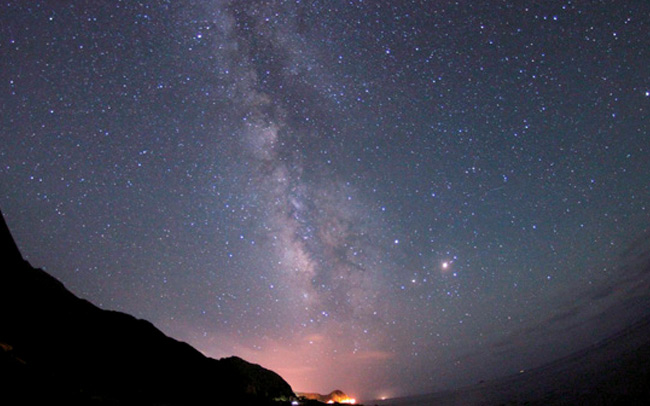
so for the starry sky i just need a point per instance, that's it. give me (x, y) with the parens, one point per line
(385, 197)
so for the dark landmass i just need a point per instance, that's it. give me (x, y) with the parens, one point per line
(615, 371)
(336, 396)
(56, 348)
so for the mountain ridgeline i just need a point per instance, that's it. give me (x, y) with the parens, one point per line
(55, 346)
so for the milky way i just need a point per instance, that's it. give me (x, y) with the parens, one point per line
(382, 197)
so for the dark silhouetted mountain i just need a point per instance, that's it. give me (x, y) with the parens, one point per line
(336, 396)
(56, 347)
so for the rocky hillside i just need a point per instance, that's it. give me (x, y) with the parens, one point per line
(55, 346)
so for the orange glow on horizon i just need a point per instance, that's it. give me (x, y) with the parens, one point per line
(346, 401)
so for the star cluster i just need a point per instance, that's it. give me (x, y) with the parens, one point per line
(386, 197)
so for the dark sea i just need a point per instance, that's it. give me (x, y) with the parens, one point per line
(615, 371)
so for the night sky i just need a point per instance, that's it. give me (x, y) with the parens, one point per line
(385, 197)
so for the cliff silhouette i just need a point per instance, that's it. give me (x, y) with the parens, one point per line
(56, 347)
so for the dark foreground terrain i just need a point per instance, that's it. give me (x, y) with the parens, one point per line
(56, 348)
(615, 371)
